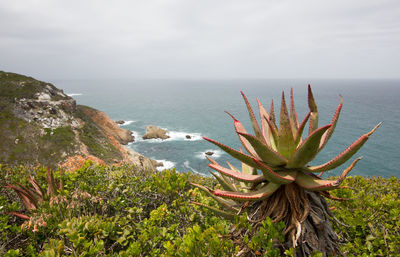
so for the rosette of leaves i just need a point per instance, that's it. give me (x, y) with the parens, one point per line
(276, 181)
(31, 197)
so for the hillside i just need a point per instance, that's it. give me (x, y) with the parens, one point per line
(41, 124)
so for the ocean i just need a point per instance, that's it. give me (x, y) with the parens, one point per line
(196, 108)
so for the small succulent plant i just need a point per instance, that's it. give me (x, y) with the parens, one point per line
(276, 180)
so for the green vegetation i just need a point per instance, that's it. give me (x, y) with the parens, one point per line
(97, 143)
(120, 211)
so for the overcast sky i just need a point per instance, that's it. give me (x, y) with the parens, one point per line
(51, 39)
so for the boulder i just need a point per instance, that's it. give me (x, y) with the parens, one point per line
(155, 132)
(188, 137)
(209, 153)
(120, 122)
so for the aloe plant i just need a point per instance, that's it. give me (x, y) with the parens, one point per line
(276, 180)
(31, 197)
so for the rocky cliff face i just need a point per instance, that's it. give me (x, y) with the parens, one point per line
(41, 124)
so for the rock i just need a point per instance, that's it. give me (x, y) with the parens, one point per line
(209, 153)
(123, 136)
(120, 122)
(155, 132)
(188, 137)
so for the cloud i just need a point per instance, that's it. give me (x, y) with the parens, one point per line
(200, 39)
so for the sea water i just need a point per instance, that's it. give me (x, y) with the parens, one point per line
(196, 108)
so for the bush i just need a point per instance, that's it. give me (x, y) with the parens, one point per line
(121, 211)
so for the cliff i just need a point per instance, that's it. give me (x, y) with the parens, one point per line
(41, 124)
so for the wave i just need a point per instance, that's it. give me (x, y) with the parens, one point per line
(136, 135)
(127, 122)
(73, 94)
(166, 165)
(186, 164)
(176, 136)
(216, 153)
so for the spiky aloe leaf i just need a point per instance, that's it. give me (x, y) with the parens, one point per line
(308, 149)
(260, 194)
(280, 177)
(226, 203)
(221, 213)
(36, 186)
(52, 187)
(313, 125)
(265, 153)
(211, 160)
(20, 215)
(27, 199)
(294, 122)
(225, 178)
(299, 134)
(253, 119)
(314, 183)
(227, 185)
(232, 152)
(335, 119)
(274, 132)
(237, 175)
(346, 154)
(240, 129)
(265, 127)
(286, 144)
(272, 112)
(30, 193)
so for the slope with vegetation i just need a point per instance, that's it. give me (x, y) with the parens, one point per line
(122, 211)
(41, 124)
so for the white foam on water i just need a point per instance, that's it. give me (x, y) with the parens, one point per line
(187, 165)
(179, 135)
(176, 136)
(216, 154)
(166, 165)
(73, 94)
(127, 122)
(136, 135)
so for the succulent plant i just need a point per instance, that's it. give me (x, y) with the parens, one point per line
(276, 179)
(31, 197)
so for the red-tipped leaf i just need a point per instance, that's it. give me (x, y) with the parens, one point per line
(253, 119)
(286, 144)
(346, 154)
(237, 175)
(232, 152)
(279, 177)
(314, 183)
(313, 125)
(226, 203)
(265, 127)
(300, 130)
(293, 115)
(260, 194)
(239, 128)
(335, 119)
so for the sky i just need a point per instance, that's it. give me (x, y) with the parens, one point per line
(207, 39)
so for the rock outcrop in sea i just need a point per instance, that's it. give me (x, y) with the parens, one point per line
(39, 123)
(155, 132)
